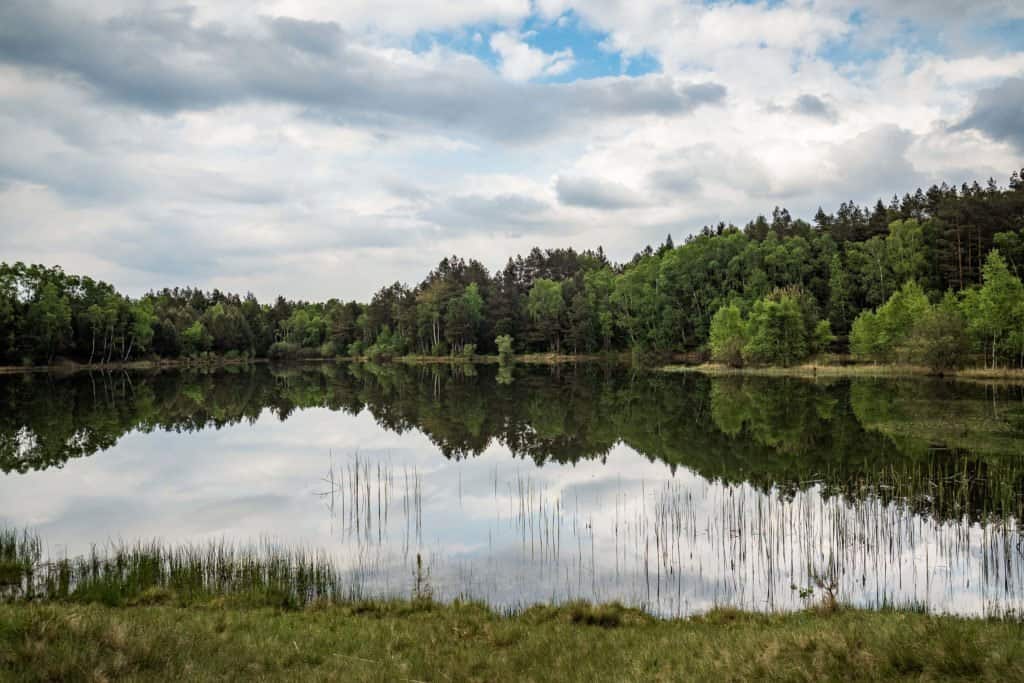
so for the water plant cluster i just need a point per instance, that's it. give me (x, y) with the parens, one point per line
(263, 574)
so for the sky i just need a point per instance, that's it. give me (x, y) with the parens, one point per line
(323, 149)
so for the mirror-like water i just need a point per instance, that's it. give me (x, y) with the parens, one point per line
(673, 492)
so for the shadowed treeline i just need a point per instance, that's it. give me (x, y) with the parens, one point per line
(951, 448)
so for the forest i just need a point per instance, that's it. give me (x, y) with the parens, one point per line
(932, 277)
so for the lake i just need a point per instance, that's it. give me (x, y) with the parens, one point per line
(674, 492)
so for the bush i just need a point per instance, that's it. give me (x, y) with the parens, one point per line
(504, 344)
(776, 333)
(327, 350)
(882, 335)
(468, 350)
(940, 339)
(356, 349)
(822, 337)
(728, 336)
(386, 346)
(865, 336)
(283, 350)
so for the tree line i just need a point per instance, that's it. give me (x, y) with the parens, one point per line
(774, 291)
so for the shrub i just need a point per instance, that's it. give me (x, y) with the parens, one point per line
(728, 336)
(940, 339)
(775, 332)
(504, 344)
(282, 350)
(356, 349)
(882, 335)
(822, 337)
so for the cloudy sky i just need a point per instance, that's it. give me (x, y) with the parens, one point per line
(318, 149)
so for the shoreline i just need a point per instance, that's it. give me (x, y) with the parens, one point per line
(71, 367)
(803, 370)
(881, 370)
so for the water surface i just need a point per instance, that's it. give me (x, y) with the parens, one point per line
(671, 492)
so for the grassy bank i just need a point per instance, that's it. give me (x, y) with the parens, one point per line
(811, 370)
(208, 612)
(428, 642)
(149, 612)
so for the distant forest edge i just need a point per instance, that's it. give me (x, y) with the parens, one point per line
(931, 278)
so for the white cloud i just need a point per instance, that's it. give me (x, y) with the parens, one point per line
(521, 62)
(228, 145)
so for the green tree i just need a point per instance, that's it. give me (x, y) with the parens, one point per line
(635, 299)
(545, 307)
(50, 320)
(939, 340)
(776, 333)
(905, 250)
(728, 336)
(195, 339)
(869, 263)
(597, 286)
(504, 344)
(140, 328)
(840, 301)
(994, 311)
(882, 335)
(821, 337)
(463, 317)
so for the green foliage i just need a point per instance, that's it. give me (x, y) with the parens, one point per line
(905, 249)
(195, 339)
(545, 307)
(995, 312)
(662, 300)
(387, 345)
(505, 349)
(463, 317)
(356, 349)
(821, 337)
(49, 320)
(939, 339)
(776, 332)
(840, 302)
(728, 336)
(882, 335)
(635, 303)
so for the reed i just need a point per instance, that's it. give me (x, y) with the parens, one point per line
(262, 574)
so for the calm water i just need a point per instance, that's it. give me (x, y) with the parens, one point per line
(672, 492)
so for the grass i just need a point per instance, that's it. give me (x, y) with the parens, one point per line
(465, 641)
(827, 369)
(148, 612)
(265, 575)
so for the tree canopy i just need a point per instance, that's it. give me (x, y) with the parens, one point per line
(867, 275)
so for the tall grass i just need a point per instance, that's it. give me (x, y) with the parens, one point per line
(264, 574)
(20, 554)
